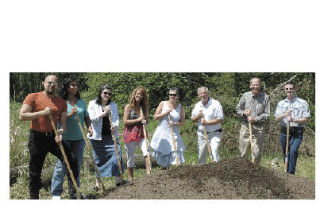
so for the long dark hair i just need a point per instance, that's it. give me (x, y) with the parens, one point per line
(65, 86)
(99, 99)
(144, 101)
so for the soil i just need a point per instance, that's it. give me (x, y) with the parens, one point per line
(228, 179)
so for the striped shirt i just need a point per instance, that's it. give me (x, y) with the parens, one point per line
(259, 106)
(299, 109)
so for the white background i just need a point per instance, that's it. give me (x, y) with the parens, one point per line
(158, 36)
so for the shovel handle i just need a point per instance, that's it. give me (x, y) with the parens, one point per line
(207, 142)
(174, 143)
(251, 142)
(90, 152)
(66, 160)
(115, 145)
(287, 147)
(148, 161)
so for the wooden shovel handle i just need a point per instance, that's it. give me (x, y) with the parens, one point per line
(148, 166)
(174, 143)
(115, 145)
(90, 152)
(208, 144)
(66, 160)
(287, 147)
(251, 141)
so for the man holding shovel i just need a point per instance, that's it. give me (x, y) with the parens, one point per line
(38, 107)
(254, 109)
(209, 115)
(293, 113)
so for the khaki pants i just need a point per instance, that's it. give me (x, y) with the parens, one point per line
(257, 138)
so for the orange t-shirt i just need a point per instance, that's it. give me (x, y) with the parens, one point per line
(39, 101)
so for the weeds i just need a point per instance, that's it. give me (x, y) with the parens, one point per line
(19, 154)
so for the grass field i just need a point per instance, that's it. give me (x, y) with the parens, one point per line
(19, 156)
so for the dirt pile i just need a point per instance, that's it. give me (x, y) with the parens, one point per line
(229, 179)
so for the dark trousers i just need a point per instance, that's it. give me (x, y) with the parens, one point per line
(39, 146)
(295, 139)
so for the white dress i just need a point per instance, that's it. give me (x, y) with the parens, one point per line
(162, 142)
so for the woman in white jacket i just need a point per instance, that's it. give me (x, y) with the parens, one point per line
(101, 138)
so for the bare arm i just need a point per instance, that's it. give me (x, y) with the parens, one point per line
(26, 114)
(126, 120)
(158, 115)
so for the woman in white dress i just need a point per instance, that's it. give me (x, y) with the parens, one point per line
(162, 141)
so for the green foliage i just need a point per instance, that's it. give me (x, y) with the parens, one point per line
(21, 84)
(227, 88)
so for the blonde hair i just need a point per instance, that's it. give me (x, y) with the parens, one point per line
(144, 102)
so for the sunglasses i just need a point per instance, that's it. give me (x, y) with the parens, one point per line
(173, 95)
(289, 88)
(107, 93)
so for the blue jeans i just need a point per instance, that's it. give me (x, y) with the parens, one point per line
(296, 135)
(77, 148)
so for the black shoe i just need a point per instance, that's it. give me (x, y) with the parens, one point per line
(95, 188)
(74, 197)
(122, 183)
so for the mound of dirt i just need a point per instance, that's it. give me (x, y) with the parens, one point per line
(228, 179)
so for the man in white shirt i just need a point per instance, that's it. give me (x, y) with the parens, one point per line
(209, 115)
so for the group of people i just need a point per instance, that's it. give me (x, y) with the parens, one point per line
(101, 118)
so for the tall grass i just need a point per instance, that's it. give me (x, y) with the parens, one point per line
(19, 154)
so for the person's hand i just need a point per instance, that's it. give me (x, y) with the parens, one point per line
(47, 111)
(171, 124)
(106, 110)
(144, 121)
(58, 139)
(113, 130)
(167, 112)
(251, 119)
(289, 116)
(200, 114)
(90, 132)
(74, 111)
(247, 112)
(141, 118)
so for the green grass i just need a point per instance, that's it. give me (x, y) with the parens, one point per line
(19, 156)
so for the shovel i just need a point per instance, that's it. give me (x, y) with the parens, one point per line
(90, 152)
(66, 160)
(251, 142)
(287, 148)
(174, 143)
(116, 147)
(148, 161)
(207, 142)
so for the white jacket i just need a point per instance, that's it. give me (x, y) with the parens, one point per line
(95, 111)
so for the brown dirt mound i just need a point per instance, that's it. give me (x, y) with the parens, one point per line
(229, 179)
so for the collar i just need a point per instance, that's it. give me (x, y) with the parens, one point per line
(293, 100)
(253, 96)
(209, 102)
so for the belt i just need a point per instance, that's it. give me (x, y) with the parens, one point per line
(292, 129)
(218, 130)
(47, 133)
